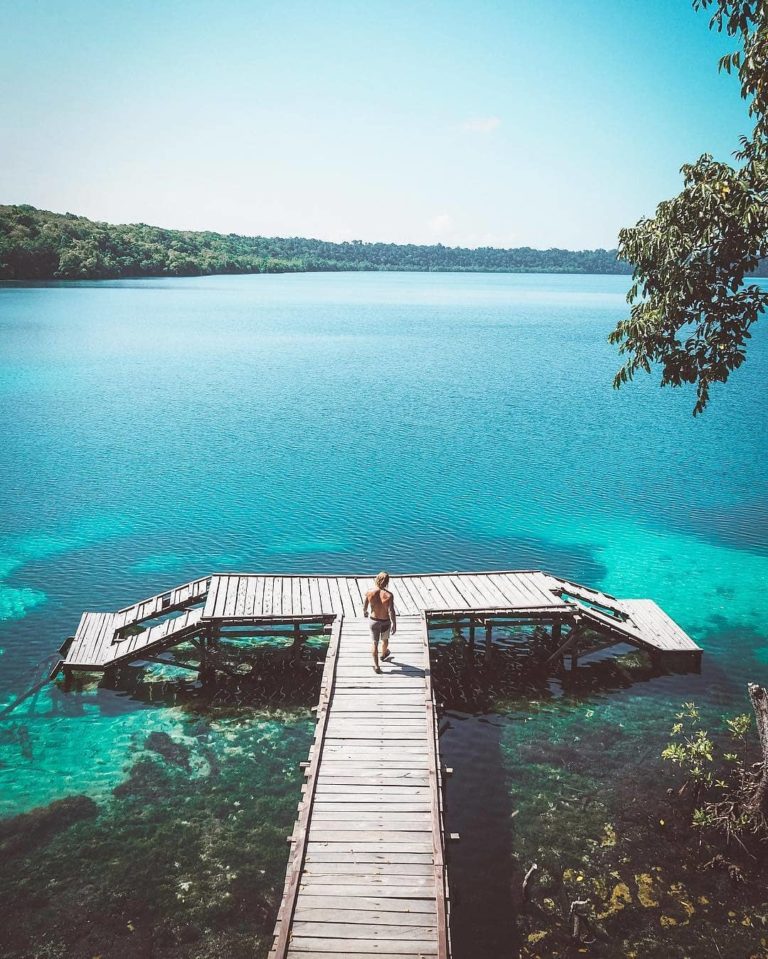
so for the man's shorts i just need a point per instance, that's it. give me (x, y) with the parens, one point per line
(379, 629)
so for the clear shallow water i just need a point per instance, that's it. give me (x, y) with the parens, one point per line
(157, 430)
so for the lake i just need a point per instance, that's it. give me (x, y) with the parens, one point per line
(157, 430)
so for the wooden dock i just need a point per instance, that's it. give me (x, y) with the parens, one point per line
(367, 867)
(367, 872)
(205, 606)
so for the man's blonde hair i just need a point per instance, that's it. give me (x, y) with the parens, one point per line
(382, 580)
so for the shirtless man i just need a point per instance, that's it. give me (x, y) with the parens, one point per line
(382, 604)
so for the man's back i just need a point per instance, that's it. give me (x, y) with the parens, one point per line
(380, 601)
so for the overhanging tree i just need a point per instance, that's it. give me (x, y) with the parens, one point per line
(691, 301)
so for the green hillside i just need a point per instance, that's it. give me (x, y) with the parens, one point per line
(39, 245)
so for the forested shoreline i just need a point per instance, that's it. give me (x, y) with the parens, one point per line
(40, 245)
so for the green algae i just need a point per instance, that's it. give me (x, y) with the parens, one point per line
(171, 841)
(43, 744)
(595, 814)
(589, 800)
(166, 867)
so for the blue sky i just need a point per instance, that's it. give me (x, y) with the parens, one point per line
(526, 122)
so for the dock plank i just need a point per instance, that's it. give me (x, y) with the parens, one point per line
(301, 945)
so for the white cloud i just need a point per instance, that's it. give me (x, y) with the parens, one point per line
(441, 224)
(481, 124)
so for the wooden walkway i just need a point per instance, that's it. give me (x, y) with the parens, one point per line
(367, 868)
(104, 640)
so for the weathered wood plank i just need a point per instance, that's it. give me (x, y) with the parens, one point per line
(224, 590)
(242, 589)
(396, 804)
(336, 602)
(297, 596)
(380, 917)
(315, 602)
(210, 599)
(356, 954)
(268, 604)
(230, 605)
(249, 605)
(371, 858)
(288, 607)
(354, 930)
(417, 947)
(409, 598)
(390, 880)
(387, 904)
(492, 596)
(343, 822)
(326, 599)
(258, 599)
(357, 592)
(375, 816)
(357, 845)
(452, 598)
(359, 886)
(351, 601)
(277, 596)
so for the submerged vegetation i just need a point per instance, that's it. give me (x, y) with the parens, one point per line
(725, 781)
(39, 245)
(186, 858)
(592, 846)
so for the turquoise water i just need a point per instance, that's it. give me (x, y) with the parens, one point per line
(158, 430)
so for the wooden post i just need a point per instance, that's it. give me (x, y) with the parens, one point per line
(577, 633)
(758, 696)
(572, 638)
(557, 632)
(488, 639)
(472, 634)
(202, 674)
(297, 640)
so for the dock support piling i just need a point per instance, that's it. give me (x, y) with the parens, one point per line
(298, 639)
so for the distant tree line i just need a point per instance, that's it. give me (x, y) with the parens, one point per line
(39, 245)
